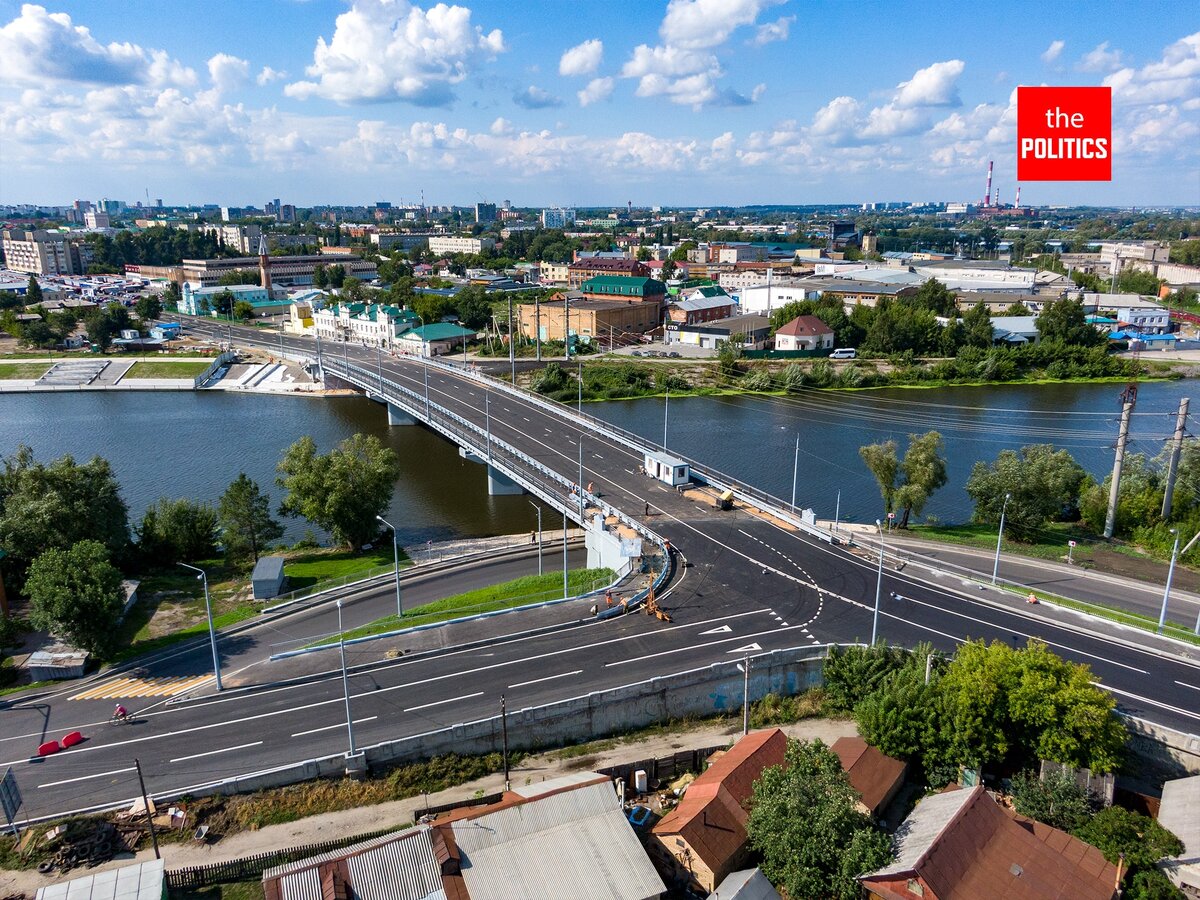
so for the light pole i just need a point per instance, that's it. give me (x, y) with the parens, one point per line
(837, 511)
(744, 667)
(878, 584)
(345, 678)
(666, 409)
(212, 634)
(795, 472)
(579, 406)
(396, 556)
(581, 478)
(566, 588)
(1000, 537)
(1162, 616)
(487, 413)
(539, 515)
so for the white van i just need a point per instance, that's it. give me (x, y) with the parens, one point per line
(844, 353)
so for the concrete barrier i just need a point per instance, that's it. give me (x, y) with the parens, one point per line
(1162, 751)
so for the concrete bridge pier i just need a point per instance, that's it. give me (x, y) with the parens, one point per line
(397, 416)
(499, 484)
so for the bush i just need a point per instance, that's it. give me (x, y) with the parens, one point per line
(1058, 801)
(851, 673)
(758, 380)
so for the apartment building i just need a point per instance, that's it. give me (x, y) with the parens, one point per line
(450, 244)
(45, 253)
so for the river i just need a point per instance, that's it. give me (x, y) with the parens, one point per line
(193, 444)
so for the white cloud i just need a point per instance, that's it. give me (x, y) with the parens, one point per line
(773, 31)
(227, 72)
(392, 50)
(935, 85)
(682, 68)
(597, 89)
(534, 97)
(582, 59)
(891, 120)
(39, 46)
(1174, 77)
(1101, 59)
(1053, 52)
(267, 75)
(501, 126)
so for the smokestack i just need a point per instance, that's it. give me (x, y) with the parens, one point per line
(1018, 206)
(997, 201)
(987, 195)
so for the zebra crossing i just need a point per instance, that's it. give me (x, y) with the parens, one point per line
(142, 687)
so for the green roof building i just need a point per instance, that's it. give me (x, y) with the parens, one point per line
(623, 287)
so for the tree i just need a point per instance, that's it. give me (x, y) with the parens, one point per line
(320, 279)
(148, 308)
(172, 295)
(473, 307)
(1139, 500)
(1064, 320)
(33, 293)
(898, 716)
(935, 297)
(882, 462)
(336, 274)
(977, 327)
(1042, 483)
(924, 471)
(907, 485)
(1137, 281)
(174, 531)
(1058, 801)
(76, 594)
(1017, 309)
(223, 302)
(244, 517)
(729, 357)
(342, 491)
(103, 323)
(804, 824)
(1116, 832)
(244, 310)
(239, 276)
(668, 271)
(852, 673)
(54, 506)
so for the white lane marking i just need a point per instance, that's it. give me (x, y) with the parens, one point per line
(526, 418)
(86, 777)
(625, 662)
(332, 727)
(547, 678)
(746, 649)
(215, 752)
(720, 629)
(1174, 709)
(447, 700)
(1186, 685)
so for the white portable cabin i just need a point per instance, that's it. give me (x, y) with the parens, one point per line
(668, 469)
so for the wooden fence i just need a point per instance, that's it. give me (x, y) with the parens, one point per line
(253, 866)
(664, 768)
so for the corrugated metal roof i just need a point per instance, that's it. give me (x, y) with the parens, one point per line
(141, 881)
(397, 866)
(579, 837)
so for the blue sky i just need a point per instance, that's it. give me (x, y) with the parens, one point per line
(576, 102)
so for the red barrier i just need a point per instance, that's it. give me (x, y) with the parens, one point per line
(70, 740)
(48, 748)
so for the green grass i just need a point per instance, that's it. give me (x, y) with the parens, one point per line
(314, 567)
(143, 645)
(155, 368)
(1124, 617)
(23, 370)
(1051, 541)
(521, 591)
(233, 890)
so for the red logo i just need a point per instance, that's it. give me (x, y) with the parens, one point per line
(1064, 134)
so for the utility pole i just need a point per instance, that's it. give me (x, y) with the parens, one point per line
(504, 734)
(745, 667)
(537, 325)
(1128, 399)
(566, 589)
(566, 328)
(512, 343)
(1173, 464)
(539, 515)
(666, 410)
(146, 801)
(796, 473)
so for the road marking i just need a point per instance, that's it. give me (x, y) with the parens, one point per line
(547, 678)
(440, 702)
(1186, 685)
(142, 687)
(1174, 709)
(331, 727)
(721, 629)
(746, 649)
(214, 752)
(86, 777)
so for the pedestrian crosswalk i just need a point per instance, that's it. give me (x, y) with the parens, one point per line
(142, 687)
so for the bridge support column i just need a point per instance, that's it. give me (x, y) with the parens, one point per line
(500, 485)
(397, 416)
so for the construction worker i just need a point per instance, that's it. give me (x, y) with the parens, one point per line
(647, 513)
(1031, 599)
(608, 600)
(590, 484)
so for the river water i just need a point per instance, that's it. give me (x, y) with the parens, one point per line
(193, 444)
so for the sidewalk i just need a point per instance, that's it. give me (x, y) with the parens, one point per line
(398, 813)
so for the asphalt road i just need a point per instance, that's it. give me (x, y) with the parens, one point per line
(771, 587)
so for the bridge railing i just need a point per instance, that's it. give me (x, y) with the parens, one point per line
(551, 486)
(704, 473)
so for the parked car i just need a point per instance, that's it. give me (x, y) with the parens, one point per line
(637, 352)
(844, 353)
(674, 354)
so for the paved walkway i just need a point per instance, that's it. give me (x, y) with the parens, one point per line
(398, 813)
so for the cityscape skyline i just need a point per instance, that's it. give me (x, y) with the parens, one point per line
(691, 102)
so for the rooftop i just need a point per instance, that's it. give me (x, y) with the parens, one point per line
(805, 326)
(872, 773)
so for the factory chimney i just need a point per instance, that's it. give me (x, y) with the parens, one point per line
(987, 195)
(1018, 205)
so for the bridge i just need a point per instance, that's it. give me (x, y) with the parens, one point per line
(755, 581)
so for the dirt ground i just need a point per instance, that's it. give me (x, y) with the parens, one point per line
(363, 820)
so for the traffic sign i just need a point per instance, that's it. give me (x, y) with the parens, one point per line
(10, 798)
(891, 515)
(1070, 543)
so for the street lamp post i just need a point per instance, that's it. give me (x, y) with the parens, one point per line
(878, 585)
(1162, 616)
(487, 413)
(795, 472)
(666, 410)
(566, 588)
(539, 515)
(345, 679)
(1000, 537)
(212, 634)
(396, 556)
